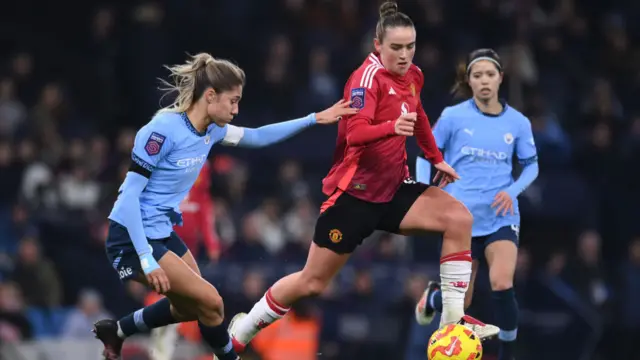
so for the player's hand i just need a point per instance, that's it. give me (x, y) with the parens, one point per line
(405, 123)
(156, 278)
(503, 204)
(335, 113)
(445, 175)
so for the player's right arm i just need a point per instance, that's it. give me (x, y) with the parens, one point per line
(149, 148)
(441, 132)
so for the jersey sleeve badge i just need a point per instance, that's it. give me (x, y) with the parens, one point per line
(357, 98)
(154, 144)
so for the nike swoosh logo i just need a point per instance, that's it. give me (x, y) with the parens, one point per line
(449, 351)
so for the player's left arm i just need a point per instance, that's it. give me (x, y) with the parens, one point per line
(527, 157)
(266, 135)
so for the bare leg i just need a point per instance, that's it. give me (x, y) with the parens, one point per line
(321, 267)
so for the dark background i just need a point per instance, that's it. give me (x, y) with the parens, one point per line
(77, 79)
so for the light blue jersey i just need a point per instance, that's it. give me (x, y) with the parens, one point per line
(168, 155)
(480, 147)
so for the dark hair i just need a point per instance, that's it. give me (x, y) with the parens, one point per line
(390, 17)
(461, 88)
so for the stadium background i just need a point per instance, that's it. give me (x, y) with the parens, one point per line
(78, 78)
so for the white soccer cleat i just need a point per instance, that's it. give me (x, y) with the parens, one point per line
(234, 322)
(423, 311)
(484, 331)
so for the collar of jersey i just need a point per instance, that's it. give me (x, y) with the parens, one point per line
(190, 125)
(502, 101)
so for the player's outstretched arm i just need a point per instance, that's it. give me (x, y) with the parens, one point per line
(275, 133)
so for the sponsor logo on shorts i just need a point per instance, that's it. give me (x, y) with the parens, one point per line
(360, 186)
(335, 236)
(516, 230)
(125, 272)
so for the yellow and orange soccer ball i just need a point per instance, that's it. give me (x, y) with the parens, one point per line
(454, 342)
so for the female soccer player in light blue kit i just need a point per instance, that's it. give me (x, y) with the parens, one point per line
(479, 137)
(167, 157)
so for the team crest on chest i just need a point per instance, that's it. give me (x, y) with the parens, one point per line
(412, 87)
(207, 139)
(508, 138)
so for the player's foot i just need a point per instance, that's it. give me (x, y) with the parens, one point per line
(107, 332)
(237, 347)
(484, 331)
(424, 311)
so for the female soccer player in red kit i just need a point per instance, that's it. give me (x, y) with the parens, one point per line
(369, 187)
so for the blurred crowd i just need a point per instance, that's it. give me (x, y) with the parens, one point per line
(74, 92)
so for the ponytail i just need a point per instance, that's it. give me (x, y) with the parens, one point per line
(192, 78)
(461, 88)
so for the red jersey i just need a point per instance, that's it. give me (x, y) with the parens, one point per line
(370, 160)
(198, 215)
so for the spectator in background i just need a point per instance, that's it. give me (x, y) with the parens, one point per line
(292, 186)
(11, 175)
(88, 310)
(249, 248)
(266, 218)
(584, 271)
(36, 276)
(628, 300)
(14, 325)
(12, 112)
(294, 337)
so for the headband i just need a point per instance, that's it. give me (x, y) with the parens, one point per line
(483, 58)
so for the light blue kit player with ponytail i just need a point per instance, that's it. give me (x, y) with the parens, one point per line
(479, 137)
(167, 157)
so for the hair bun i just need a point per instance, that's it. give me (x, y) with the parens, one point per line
(388, 8)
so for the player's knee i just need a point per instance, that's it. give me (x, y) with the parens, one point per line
(211, 308)
(501, 283)
(313, 285)
(458, 217)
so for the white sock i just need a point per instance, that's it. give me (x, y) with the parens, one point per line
(263, 313)
(455, 274)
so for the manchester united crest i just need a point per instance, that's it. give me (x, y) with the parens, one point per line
(335, 236)
(412, 87)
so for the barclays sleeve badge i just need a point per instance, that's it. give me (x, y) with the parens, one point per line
(357, 98)
(154, 143)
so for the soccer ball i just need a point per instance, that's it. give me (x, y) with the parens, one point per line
(454, 342)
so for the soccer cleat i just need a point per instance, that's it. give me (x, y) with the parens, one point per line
(107, 332)
(484, 331)
(424, 311)
(237, 347)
